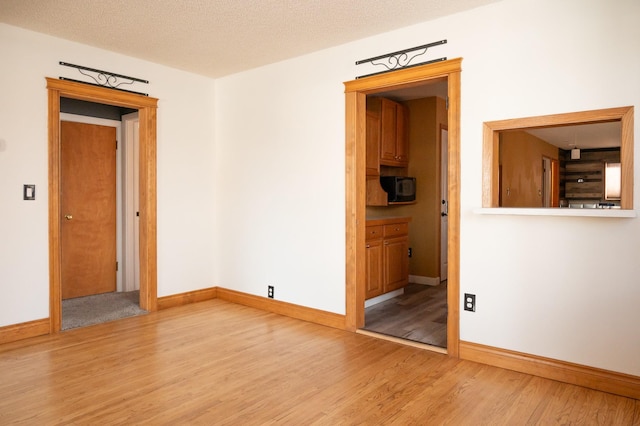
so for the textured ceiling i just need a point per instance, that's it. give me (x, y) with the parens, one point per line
(221, 37)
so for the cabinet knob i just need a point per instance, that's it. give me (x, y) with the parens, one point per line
(368, 246)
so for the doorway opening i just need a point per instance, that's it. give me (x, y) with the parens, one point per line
(406, 295)
(100, 251)
(146, 107)
(357, 91)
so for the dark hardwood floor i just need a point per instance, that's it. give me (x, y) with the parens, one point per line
(420, 315)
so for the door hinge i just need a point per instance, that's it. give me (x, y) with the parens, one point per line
(116, 266)
(116, 145)
(447, 103)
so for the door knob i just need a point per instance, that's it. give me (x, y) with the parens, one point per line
(68, 216)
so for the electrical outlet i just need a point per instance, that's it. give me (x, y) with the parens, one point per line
(469, 302)
(270, 292)
(410, 251)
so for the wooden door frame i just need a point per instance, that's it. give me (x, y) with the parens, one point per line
(356, 92)
(443, 128)
(146, 107)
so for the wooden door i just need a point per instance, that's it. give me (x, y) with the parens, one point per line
(402, 135)
(555, 183)
(389, 130)
(396, 261)
(88, 203)
(374, 269)
(373, 143)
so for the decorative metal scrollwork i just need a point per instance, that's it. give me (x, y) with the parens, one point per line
(103, 78)
(401, 59)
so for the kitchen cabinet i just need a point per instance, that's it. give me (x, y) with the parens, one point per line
(387, 258)
(374, 260)
(373, 143)
(387, 133)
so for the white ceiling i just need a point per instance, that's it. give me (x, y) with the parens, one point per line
(584, 136)
(221, 37)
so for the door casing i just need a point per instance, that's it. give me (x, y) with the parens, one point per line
(444, 206)
(147, 108)
(356, 92)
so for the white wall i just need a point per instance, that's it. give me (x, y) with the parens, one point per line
(280, 181)
(185, 178)
(558, 287)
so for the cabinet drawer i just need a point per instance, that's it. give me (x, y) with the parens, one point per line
(396, 229)
(373, 232)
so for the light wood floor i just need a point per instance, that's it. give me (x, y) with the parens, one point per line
(219, 363)
(420, 315)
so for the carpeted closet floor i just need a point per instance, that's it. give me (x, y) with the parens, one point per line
(99, 308)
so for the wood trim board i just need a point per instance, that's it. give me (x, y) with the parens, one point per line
(24, 330)
(283, 308)
(181, 299)
(581, 375)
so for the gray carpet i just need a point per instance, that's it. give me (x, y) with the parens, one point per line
(89, 310)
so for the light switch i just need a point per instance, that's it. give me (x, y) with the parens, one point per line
(29, 192)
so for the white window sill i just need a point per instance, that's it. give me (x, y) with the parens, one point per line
(556, 212)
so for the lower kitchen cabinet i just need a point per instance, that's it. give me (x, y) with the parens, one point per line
(387, 258)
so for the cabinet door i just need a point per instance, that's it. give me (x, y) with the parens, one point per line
(394, 136)
(388, 131)
(396, 260)
(373, 143)
(402, 135)
(374, 256)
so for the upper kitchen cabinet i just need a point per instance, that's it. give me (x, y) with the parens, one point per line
(391, 140)
(373, 142)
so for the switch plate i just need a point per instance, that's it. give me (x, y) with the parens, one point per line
(29, 192)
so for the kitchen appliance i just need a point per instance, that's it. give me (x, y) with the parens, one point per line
(399, 188)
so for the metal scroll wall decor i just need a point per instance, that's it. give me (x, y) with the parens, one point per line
(401, 59)
(107, 79)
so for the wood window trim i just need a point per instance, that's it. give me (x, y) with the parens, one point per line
(490, 149)
(356, 92)
(147, 108)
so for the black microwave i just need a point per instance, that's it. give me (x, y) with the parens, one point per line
(399, 188)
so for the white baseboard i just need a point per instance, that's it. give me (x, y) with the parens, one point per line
(383, 297)
(417, 279)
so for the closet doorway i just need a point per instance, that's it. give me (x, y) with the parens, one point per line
(146, 107)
